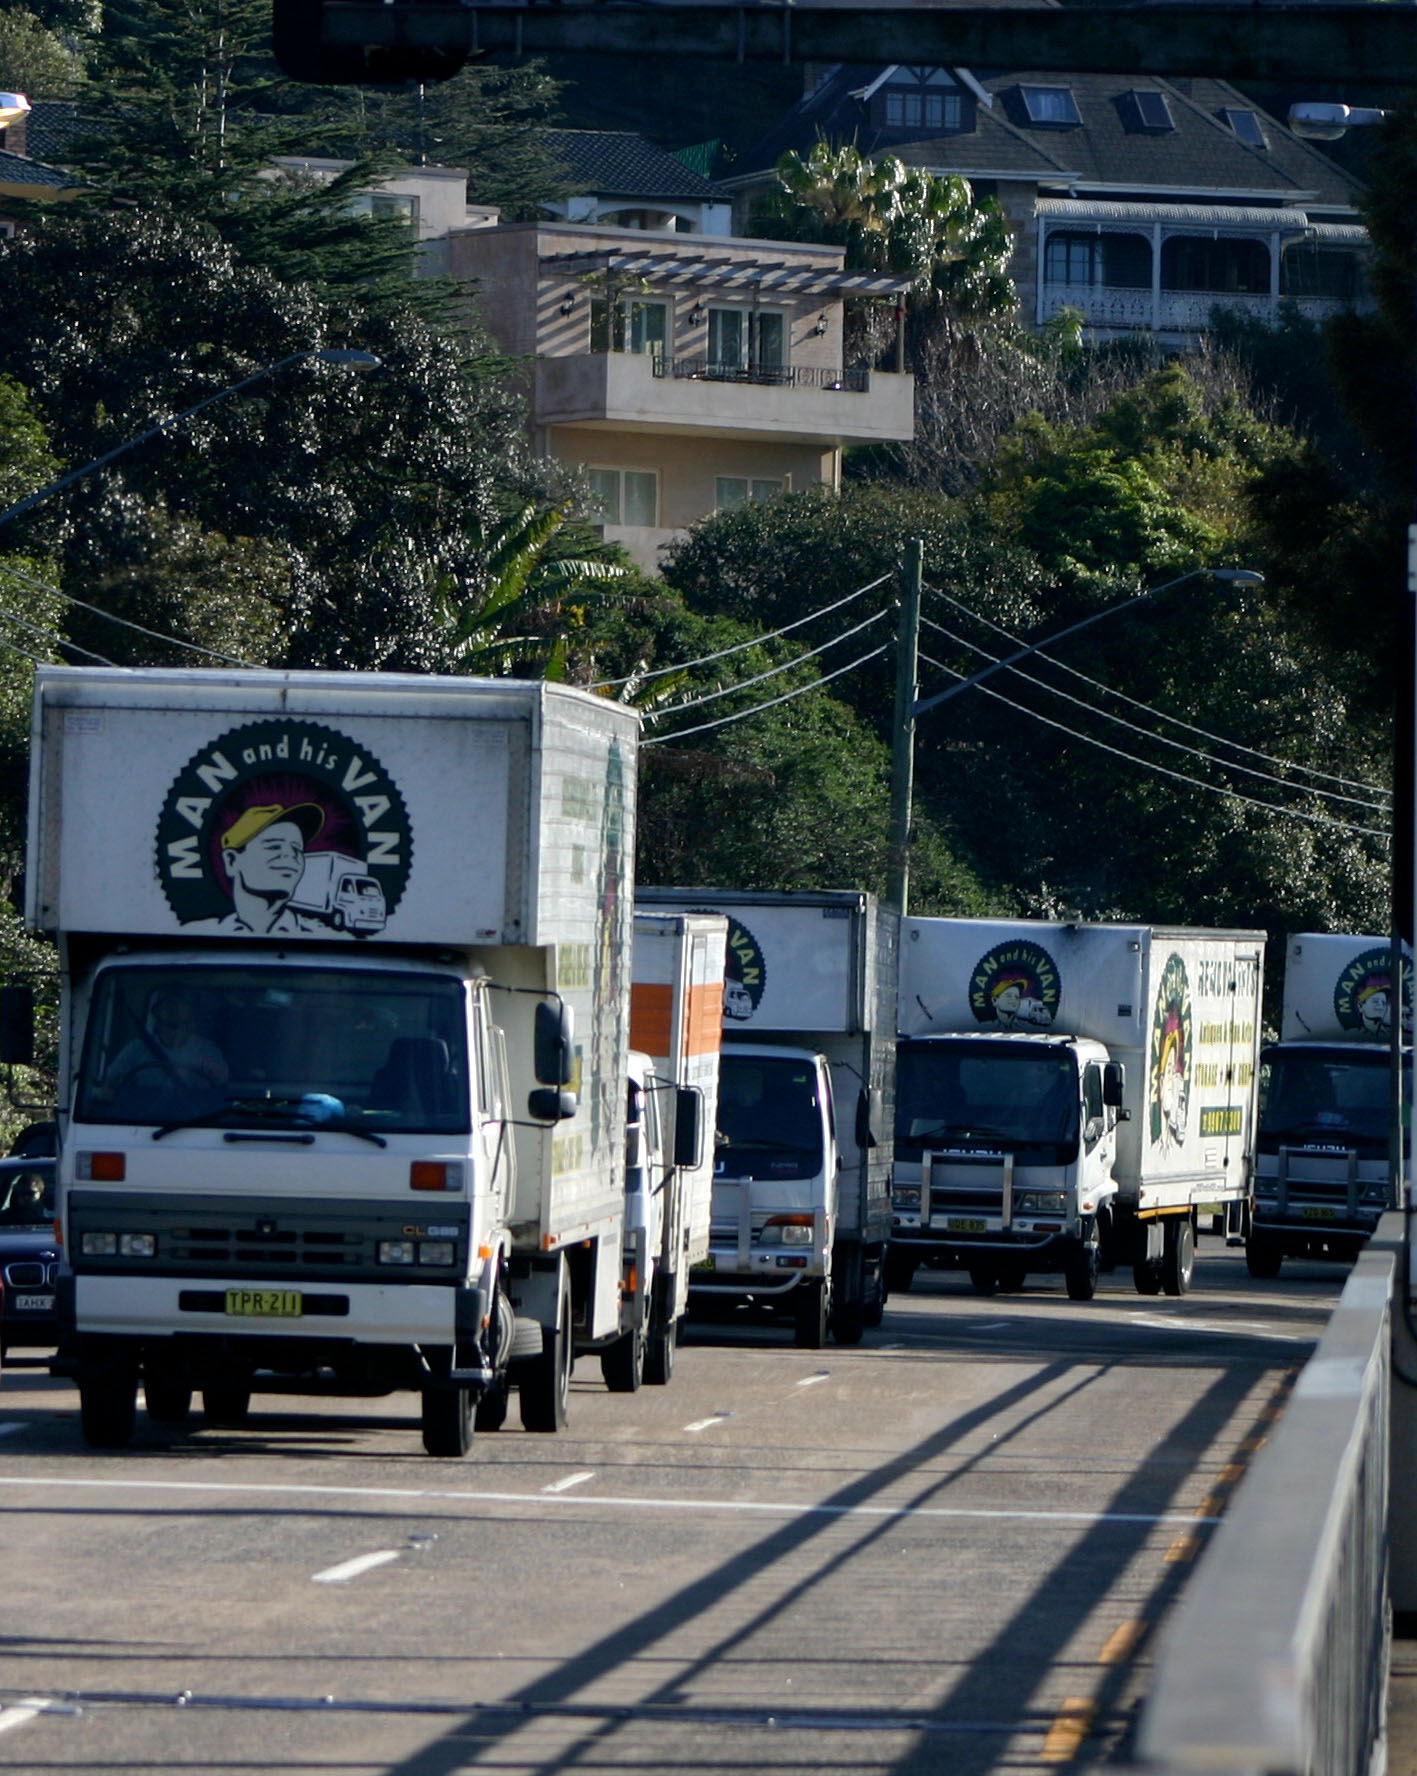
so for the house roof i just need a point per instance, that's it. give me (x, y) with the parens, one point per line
(1111, 146)
(51, 129)
(18, 170)
(619, 163)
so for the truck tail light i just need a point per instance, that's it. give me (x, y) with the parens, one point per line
(101, 1168)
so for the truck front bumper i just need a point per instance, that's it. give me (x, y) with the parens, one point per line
(281, 1307)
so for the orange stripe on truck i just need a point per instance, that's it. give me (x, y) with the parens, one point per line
(705, 1033)
(652, 1018)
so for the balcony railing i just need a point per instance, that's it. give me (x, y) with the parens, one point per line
(766, 376)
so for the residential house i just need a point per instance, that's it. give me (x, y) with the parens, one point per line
(27, 136)
(684, 374)
(1141, 202)
(623, 181)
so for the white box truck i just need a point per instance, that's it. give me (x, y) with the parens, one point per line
(801, 1191)
(299, 1158)
(676, 1022)
(1071, 1096)
(1323, 1171)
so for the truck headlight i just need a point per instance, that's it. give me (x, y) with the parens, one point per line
(99, 1245)
(437, 1252)
(787, 1230)
(137, 1245)
(1040, 1202)
(906, 1197)
(397, 1252)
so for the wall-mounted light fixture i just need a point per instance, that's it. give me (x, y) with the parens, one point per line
(821, 325)
(567, 304)
(696, 315)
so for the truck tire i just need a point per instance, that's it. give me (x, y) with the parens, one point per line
(984, 1279)
(1147, 1277)
(810, 1315)
(899, 1271)
(1178, 1255)
(1262, 1257)
(490, 1413)
(663, 1333)
(848, 1321)
(544, 1381)
(226, 1405)
(108, 1398)
(622, 1364)
(447, 1420)
(1012, 1278)
(1084, 1267)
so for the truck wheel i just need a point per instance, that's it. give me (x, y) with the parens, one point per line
(1262, 1258)
(1012, 1277)
(623, 1363)
(166, 1395)
(226, 1406)
(1147, 1277)
(108, 1399)
(984, 1279)
(660, 1353)
(810, 1316)
(1178, 1255)
(899, 1272)
(1083, 1268)
(490, 1413)
(544, 1384)
(447, 1420)
(848, 1321)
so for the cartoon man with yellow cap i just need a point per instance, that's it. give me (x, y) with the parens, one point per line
(263, 853)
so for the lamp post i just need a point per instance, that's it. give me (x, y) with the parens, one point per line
(902, 774)
(344, 358)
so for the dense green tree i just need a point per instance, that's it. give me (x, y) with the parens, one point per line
(35, 59)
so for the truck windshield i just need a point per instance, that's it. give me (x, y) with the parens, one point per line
(1326, 1098)
(374, 1053)
(986, 1095)
(769, 1118)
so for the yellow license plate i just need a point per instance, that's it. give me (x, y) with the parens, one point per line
(965, 1224)
(1318, 1214)
(265, 1304)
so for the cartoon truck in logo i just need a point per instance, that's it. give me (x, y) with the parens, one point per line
(338, 891)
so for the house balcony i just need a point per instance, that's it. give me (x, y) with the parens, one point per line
(808, 404)
(1174, 314)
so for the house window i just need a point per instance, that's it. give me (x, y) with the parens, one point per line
(1149, 110)
(1246, 126)
(1223, 267)
(625, 496)
(732, 491)
(1327, 275)
(913, 109)
(389, 205)
(634, 326)
(1050, 104)
(1107, 261)
(739, 340)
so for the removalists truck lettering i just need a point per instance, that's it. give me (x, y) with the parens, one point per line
(1069, 1096)
(1323, 1165)
(801, 1205)
(292, 1161)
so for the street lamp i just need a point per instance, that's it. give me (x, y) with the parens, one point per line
(907, 711)
(344, 358)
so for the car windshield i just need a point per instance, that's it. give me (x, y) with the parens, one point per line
(27, 1197)
(962, 1094)
(769, 1118)
(367, 1051)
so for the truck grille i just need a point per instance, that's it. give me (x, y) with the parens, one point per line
(218, 1248)
(978, 1200)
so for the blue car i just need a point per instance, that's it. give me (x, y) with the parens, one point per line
(29, 1254)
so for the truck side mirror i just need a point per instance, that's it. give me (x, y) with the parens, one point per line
(868, 1118)
(688, 1127)
(554, 1057)
(1114, 1084)
(17, 1025)
(547, 1104)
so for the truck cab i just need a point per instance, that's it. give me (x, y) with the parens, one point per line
(775, 1185)
(1004, 1146)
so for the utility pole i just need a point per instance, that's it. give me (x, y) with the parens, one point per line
(907, 653)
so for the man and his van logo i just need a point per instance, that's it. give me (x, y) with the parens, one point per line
(1015, 986)
(1362, 999)
(1169, 1077)
(282, 827)
(745, 974)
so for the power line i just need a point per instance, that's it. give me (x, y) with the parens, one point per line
(757, 708)
(1147, 708)
(1161, 770)
(123, 622)
(52, 636)
(1147, 734)
(739, 646)
(772, 672)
